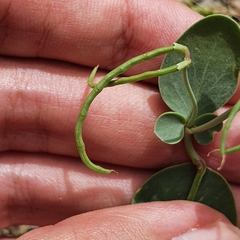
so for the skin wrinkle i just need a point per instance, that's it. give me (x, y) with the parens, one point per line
(15, 195)
(4, 19)
(92, 43)
(13, 99)
(130, 230)
(20, 103)
(123, 39)
(165, 212)
(135, 44)
(21, 199)
(56, 39)
(119, 35)
(130, 41)
(45, 33)
(6, 10)
(43, 124)
(9, 29)
(55, 22)
(121, 226)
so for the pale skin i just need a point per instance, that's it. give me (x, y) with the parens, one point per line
(42, 180)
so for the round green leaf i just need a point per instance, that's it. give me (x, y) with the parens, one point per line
(206, 136)
(213, 74)
(174, 183)
(169, 127)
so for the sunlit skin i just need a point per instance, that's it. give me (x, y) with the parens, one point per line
(48, 50)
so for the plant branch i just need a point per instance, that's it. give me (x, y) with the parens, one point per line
(192, 98)
(150, 74)
(212, 123)
(97, 88)
(198, 161)
(234, 110)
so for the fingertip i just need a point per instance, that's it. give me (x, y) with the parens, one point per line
(168, 220)
(215, 231)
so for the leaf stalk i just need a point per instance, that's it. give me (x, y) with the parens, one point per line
(198, 161)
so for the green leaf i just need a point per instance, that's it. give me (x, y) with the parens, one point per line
(174, 183)
(169, 127)
(206, 136)
(213, 74)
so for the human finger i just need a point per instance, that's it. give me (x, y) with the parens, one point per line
(152, 220)
(43, 189)
(41, 101)
(98, 33)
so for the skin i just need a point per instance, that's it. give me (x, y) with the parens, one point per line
(48, 49)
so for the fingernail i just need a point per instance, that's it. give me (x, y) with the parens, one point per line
(215, 231)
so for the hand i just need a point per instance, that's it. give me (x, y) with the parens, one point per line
(48, 49)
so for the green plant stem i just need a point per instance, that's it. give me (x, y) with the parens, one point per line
(150, 74)
(192, 98)
(234, 110)
(198, 161)
(196, 183)
(211, 123)
(97, 88)
(232, 149)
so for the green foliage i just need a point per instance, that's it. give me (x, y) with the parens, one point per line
(193, 92)
(169, 127)
(209, 82)
(213, 74)
(174, 183)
